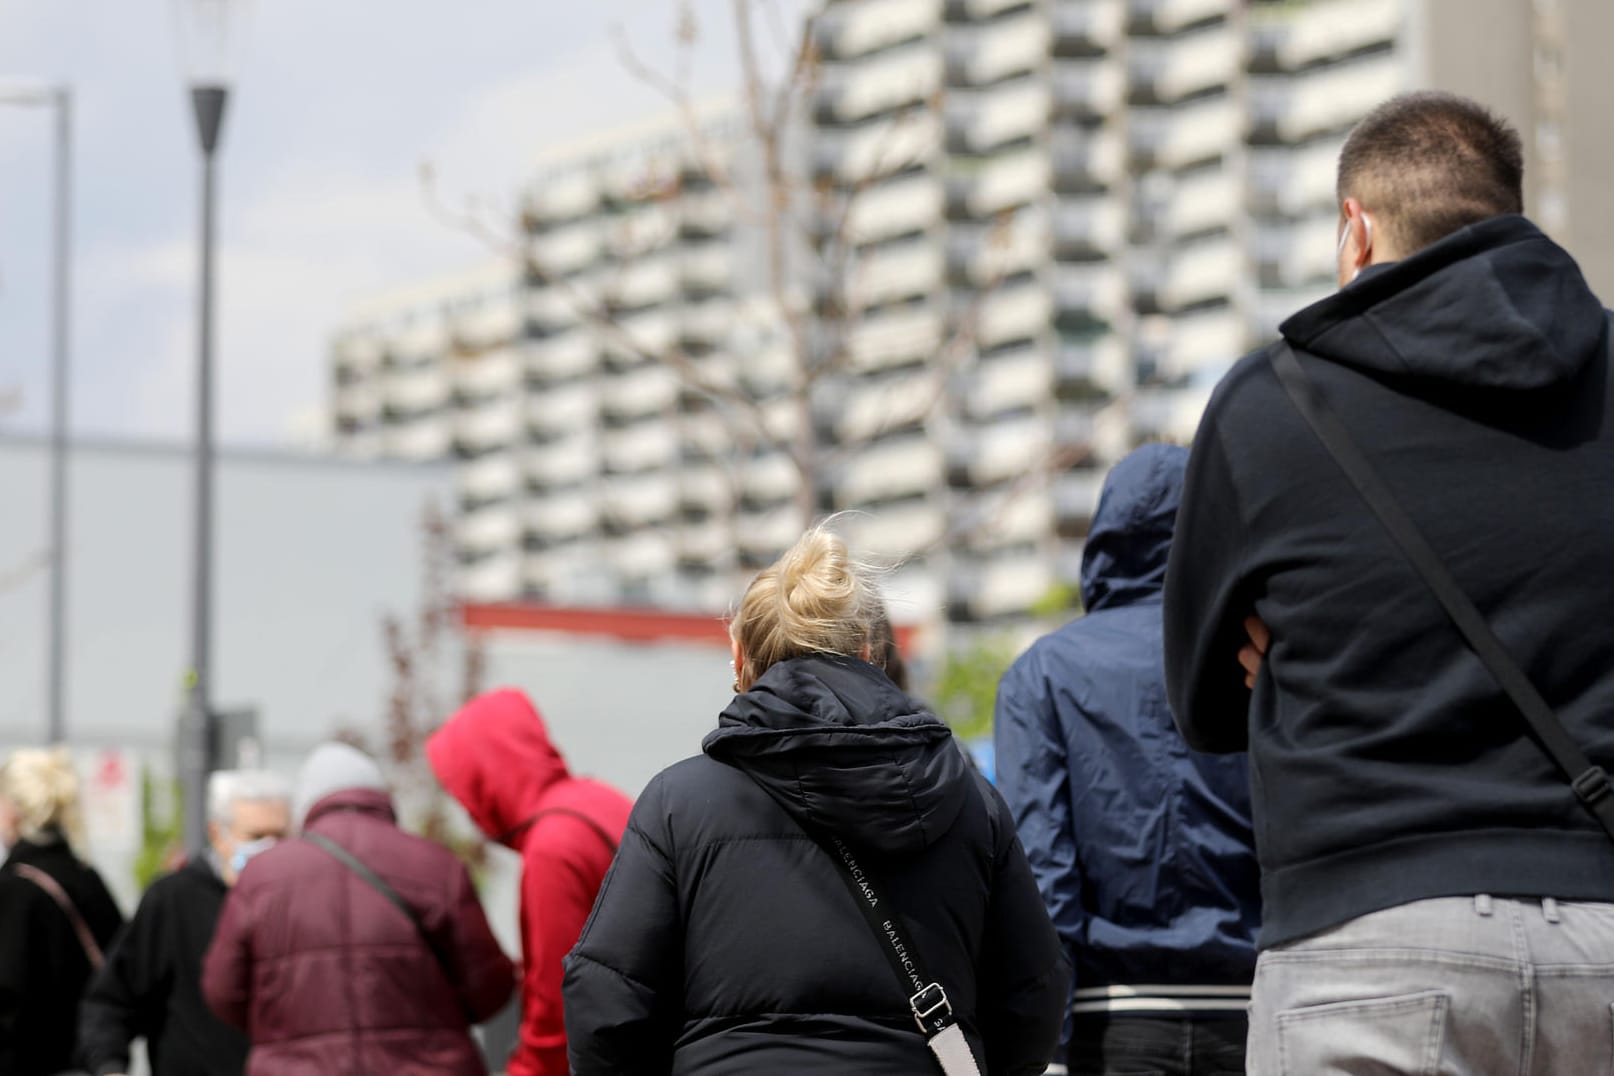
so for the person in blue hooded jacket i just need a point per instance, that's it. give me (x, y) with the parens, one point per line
(1141, 847)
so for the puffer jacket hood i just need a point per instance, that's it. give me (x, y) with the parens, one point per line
(1497, 305)
(1124, 559)
(845, 751)
(495, 757)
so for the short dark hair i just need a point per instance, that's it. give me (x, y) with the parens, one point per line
(1430, 163)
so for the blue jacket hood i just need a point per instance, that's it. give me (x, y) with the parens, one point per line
(1124, 560)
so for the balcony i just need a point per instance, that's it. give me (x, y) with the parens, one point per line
(413, 391)
(1177, 137)
(560, 358)
(494, 321)
(426, 438)
(357, 354)
(1287, 39)
(899, 207)
(880, 149)
(707, 212)
(982, 120)
(994, 51)
(897, 272)
(1202, 340)
(491, 425)
(888, 470)
(1167, 70)
(1169, 16)
(902, 78)
(1196, 272)
(1300, 254)
(559, 409)
(646, 554)
(1292, 108)
(553, 309)
(1089, 226)
(1087, 158)
(489, 529)
(1021, 378)
(982, 186)
(424, 337)
(1198, 201)
(1001, 587)
(1094, 287)
(847, 31)
(562, 463)
(769, 479)
(1289, 181)
(645, 281)
(707, 542)
(1018, 518)
(707, 322)
(1088, 27)
(492, 477)
(638, 500)
(651, 332)
(641, 447)
(1088, 90)
(1169, 414)
(561, 515)
(897, 338)
(647, 390)
(705, 486)
(492, 579)
(568, 250)
(873, 408)
(359, 402)
(1097, 366)
(563, 196)
(896, 531)
(1009, 314)
(491, 373)
(764, 535)
(999, 451)
(986, 253)
(708, 267)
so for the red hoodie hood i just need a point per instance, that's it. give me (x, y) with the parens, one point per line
(495, 758)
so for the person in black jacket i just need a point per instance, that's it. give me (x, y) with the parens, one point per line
(725, 939)
(1419, 851)
(151, 984)
(56, 917)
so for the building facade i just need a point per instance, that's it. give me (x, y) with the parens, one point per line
(1040, 231)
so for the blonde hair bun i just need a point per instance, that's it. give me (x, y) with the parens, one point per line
(815, 599)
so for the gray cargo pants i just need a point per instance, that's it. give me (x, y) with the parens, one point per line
(1458, 986)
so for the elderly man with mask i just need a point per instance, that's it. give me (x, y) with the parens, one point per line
(150, 986)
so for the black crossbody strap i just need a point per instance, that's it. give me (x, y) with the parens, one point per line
(1589, 781)
(379, 884)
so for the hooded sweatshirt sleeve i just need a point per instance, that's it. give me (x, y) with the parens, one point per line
(1206, 600)
(623, 986)
(1033, 773)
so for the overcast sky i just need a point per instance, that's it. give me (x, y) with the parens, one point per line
(336, 106)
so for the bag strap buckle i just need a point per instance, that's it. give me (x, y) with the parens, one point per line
(1592, 786)
(927, 1004)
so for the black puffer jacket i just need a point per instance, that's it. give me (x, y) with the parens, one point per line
(723, 941)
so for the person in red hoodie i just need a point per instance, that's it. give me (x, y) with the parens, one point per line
(496, 758)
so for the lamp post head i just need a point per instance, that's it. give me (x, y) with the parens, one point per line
(209, 33)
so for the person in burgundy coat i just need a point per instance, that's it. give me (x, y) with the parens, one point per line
(326, 974)
(496, 758)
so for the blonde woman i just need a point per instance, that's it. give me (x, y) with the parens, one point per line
(729, 937)
(56, 916)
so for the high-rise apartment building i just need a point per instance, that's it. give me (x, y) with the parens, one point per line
(1048, 227)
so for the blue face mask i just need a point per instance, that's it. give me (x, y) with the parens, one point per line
(244, 852)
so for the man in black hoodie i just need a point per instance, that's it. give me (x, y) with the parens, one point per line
(150, 985)
(1415, 842)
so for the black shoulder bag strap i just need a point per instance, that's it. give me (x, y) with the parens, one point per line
(1589, 781)
(932, 1012)
(379, 884)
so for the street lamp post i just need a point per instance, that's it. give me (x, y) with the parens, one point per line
(60, 99)
(205, 31)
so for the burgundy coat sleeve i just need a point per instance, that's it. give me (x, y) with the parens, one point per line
(227, 968)
(486, 976)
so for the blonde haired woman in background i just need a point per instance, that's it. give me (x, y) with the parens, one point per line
(727, 938)
(56, 916)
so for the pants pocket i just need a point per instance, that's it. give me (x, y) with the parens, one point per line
(1386, 1036)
